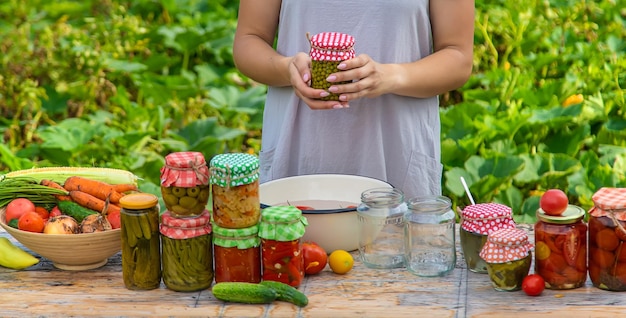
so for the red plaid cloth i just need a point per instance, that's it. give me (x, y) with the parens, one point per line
(184, 228)
(184, 169)
(484, 218)
(609, 200)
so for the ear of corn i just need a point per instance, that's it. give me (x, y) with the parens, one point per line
(59, 174)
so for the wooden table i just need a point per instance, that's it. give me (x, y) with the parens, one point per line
(45, 291)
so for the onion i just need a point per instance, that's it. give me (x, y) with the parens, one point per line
(61, 224)
(95, 223)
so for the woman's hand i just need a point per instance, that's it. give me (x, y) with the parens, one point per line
(367, 78)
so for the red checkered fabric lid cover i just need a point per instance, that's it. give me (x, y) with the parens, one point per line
(332, 46)
(484, 218)
(609, 200)
(184, 169)
(506, 245)
(184, 228)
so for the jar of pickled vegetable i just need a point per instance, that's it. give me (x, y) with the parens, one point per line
(187, 255)
(561, 248)
(141, 246)
(508, 256)
(185, 184)
(328, 49)
(607, 239)
(237, 254)
(281, 229)
(235, 188)
(477, 221)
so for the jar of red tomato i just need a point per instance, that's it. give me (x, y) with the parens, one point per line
(281, 229)
(237, 254)
(607, 239)
(561, 248)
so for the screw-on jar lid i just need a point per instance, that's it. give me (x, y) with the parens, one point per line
(484, 218)
(234, 169)
(506, 245)
(609, 201)
(331, 46)
(138, 201)
(571, 215)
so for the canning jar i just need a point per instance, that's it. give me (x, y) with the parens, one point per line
(328, 49)
(561, 248)
(381, 227)
(430, 247)
(477, 221)
(508, 256)
(237, 254)
(281, 229)
(607, 239)
(141, 246)
(235, 189)
(187, 255)
(185, 184)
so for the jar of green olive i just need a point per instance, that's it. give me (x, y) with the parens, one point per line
(185, 184)
(328, 49)
(508, 256)
(187, 255)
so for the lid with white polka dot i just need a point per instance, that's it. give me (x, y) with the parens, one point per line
(332, 46)
(484, 218)
(234, 169)
(506, 245)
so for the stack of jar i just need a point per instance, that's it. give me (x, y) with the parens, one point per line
(185, 228)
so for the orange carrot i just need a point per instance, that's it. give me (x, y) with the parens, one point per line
(89, 201)
(54, 185)
(124, 187)
(98, 189)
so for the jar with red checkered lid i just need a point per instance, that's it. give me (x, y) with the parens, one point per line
(508, 256)
(477, 221)
(607, 239)
(328, 49)
(185, 184)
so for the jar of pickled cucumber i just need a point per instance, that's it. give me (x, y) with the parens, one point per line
(141, 246)
(561, 248)
(237, 254)
(185, 184)
(477, 221)
(607, 239)
(328, 49)
(235, 190)
(281, 229)
(187, 255)
(508, 256)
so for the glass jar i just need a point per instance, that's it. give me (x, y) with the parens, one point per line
(237, 254)
(328, 49)
(185, 184)
(508, 256)
(561, 248)
(187, 255)
(235, 189)
(430, 247)
(381, 228)
(141, 248)
(477, 221)
(607, 239)
(281, 229)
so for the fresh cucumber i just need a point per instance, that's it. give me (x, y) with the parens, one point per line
(75, 210)
(239, 292)
(287, 293)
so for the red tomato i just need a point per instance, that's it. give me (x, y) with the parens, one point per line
(553, 202)
(533, 285)
(571, 247)
(54, 212)
(17, 207)
(42, 212)
(315, 258)
(304, 207)
(114, 219)
(31, 222)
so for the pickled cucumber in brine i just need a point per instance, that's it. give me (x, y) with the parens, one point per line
(509, 276)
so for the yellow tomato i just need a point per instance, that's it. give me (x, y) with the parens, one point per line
(340, 261)
(542, 251)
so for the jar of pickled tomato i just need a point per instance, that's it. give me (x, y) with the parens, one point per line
(508, 256)
(185, 184)
(281, 229)
(237, 254)
(561, 248)
(607, 239)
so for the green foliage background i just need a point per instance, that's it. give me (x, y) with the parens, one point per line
(123, 83)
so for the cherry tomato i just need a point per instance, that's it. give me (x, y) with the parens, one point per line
(553, 202)
(31, 222)
(315, 258)
(533, 285)
(54, 212)
(17, 207)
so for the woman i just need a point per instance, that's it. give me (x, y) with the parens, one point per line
(386, 124)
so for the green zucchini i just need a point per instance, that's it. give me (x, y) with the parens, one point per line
(239, 292)
(287, 293)
(75, 210)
